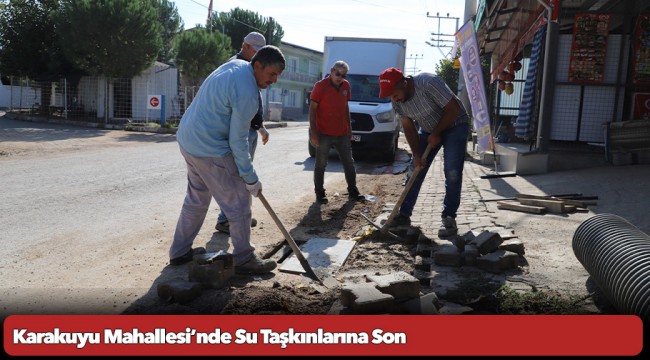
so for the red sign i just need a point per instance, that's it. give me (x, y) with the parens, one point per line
(318, 335)
(641, 67)
(153, 102)
(589, 48)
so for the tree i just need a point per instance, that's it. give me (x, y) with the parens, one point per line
(28, 42)
(172, 26)
(30, 47)
(198, 52)
(112, 38)
(445, 70)
(237, 23)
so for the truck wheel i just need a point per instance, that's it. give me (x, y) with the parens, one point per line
(312, 149)
(389, 155)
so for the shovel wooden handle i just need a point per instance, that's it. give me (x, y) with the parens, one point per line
(289, 239)
(409, 184)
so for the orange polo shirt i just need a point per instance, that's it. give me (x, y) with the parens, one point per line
(332, 111)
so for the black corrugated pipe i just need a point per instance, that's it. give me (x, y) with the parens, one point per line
(617, 256)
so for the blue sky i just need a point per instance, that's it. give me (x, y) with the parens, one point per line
(307, 22)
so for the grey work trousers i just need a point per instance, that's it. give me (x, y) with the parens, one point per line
(343, 147)
(218, 178)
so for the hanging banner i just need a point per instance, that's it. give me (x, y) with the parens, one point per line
(470, 62)
(641, 67)
(589, 48)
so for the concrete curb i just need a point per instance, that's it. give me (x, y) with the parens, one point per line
(128, 127)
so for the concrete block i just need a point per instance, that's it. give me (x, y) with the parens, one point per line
(516, 246)
(423, 250)
(365, 298)
(412, 234)
(447, 255)
(213, 270)
(423, 239)
(424, 305)
(469, 236)
(458, 242)
(454, 309)
(503, 232)
(470, 255)
(498, 261)
(487, 242)
(424, 277)
(423, 263)
(400, 285)
(179, 290)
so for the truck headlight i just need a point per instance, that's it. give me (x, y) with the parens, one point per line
(385, 117)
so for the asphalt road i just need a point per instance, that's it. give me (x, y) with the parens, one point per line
(89, 214)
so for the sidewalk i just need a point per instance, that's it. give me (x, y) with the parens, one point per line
(550, 263)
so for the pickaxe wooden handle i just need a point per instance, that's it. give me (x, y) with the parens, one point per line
(289, 239)
(409, 184)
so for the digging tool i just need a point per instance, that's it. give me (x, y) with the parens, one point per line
(394, 236)
(409, 184)
(292, 243)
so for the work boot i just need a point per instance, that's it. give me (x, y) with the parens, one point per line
(187, 257)
(448, 227)
(224, 227)
(256, 266)
(321, 198)
(400, 220)
(355, 195)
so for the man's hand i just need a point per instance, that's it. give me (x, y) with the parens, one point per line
(265, 135)
(314, 138)
(418, 162)
(434, 140)
(254, 188)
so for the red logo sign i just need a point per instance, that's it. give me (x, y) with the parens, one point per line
(154, 102)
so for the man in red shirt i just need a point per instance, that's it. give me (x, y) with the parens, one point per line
(329, 125)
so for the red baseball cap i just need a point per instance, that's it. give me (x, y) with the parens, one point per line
(388, 79)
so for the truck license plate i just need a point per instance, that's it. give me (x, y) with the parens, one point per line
(356, 138)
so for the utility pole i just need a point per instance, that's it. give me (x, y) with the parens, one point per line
(415, 58)
(440, 40)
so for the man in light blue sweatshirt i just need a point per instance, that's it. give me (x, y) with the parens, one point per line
(213, 139)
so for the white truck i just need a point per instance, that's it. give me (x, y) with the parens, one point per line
(375, 126)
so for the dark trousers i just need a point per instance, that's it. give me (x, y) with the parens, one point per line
(343, 147)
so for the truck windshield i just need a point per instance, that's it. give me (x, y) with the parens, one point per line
(365, 88)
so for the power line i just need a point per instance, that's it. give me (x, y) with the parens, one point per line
(441, 40)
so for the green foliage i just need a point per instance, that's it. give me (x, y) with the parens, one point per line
(172, 26)
(113, 38)
(29, 43)
(445, 70)
(198, 52)
(513, 302)
(239, 22)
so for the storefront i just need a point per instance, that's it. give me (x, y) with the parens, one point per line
(567, 78)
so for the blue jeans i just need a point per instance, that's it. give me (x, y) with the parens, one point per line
(343, 147)
(454, 140)
(252, 146)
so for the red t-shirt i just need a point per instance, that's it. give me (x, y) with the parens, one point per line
(332, 111)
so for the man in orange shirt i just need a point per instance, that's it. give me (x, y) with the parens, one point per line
(329, 125)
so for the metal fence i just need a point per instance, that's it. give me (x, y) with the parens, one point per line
(152, 97)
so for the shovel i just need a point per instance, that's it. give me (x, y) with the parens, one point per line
(416, 171)
(292, 243)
